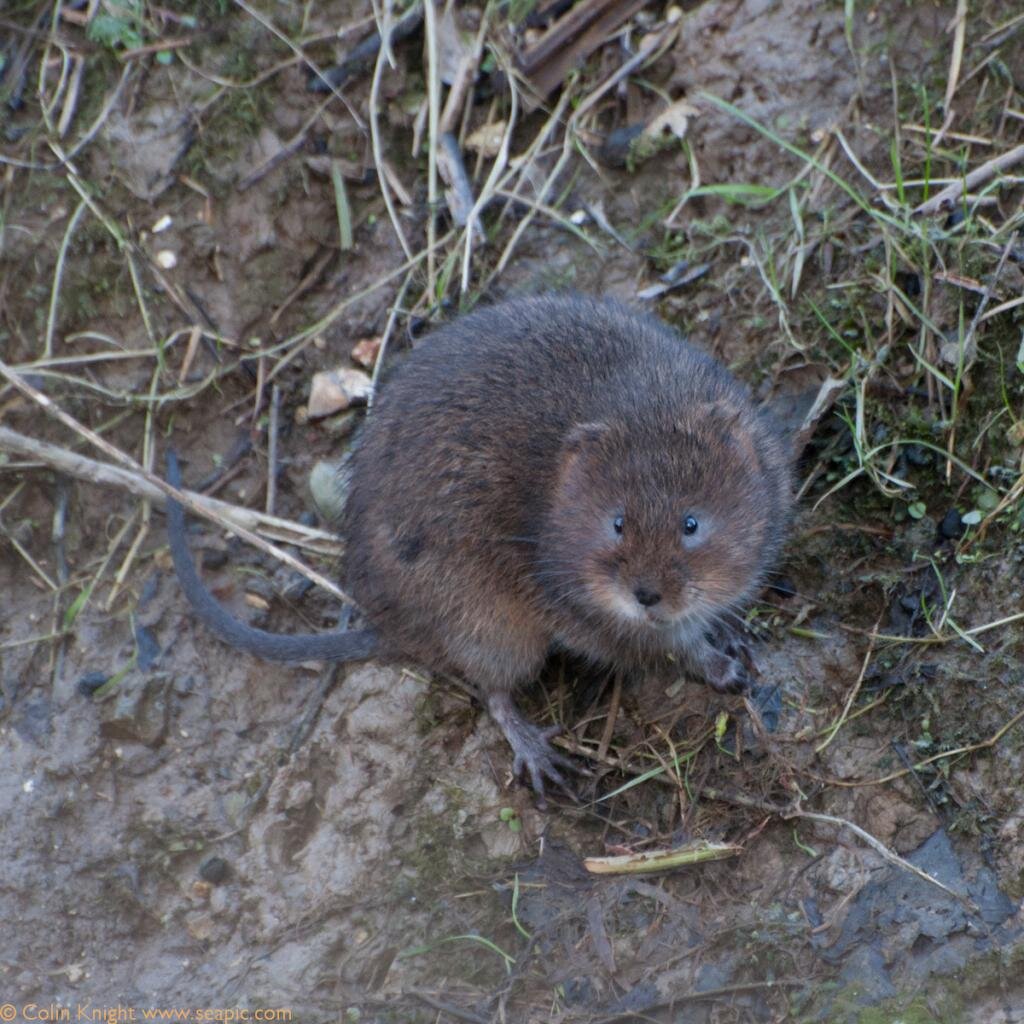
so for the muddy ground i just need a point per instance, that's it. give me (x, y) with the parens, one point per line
(346, 844)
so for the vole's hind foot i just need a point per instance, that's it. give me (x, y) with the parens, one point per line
(533, 756)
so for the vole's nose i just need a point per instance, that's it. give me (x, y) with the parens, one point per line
(646, 597)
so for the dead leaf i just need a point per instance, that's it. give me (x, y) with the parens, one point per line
(365, 351)
(800, 399)
(486, 140)
(674, 119)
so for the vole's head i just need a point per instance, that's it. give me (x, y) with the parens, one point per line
(663, 527)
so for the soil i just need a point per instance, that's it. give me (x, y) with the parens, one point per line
(346, 844)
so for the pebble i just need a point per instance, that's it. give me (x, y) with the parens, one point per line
(214, 870)
(952, 526)
(91, 682)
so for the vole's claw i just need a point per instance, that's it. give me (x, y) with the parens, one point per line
(536, 760)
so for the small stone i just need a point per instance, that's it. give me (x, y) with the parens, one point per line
(328, 483)
(341, 425)
(147, 650)
(214, 870)
(615, 149)
(32, 721)
(952, 526)
(918, 455)
(91, 682)
(213, 559)
(299, 795)
(140, 712)
(336, 390)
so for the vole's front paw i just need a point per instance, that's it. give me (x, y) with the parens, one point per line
(726, 674)
(730, 637)
(724, 661)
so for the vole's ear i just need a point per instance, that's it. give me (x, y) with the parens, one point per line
(724, 415)
(726, 423)
(576, 466)
(583, 435)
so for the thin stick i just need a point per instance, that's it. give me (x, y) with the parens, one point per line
(433, 120)
(33, 564)
(58, 273)
(384, 18)
(968, 346)
(385, 337)
(299, 341)
(949, 195)
(378, 154)
(612, 716)
(104, 475)
(171, 43)
(955, 63)
(851, 697)
(879, 847)
(292, 146)
(184, 498)
(663, 39)
(272, 433)
(129, 559)
(304, 57)
(123, 571)
(490, 186)
(71, 96)
(957, 752)
(101, 117)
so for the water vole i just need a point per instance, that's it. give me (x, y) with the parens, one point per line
(550, 472)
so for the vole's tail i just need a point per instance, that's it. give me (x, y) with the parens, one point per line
(349, 646)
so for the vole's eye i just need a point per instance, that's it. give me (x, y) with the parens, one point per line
(690, 526)
(618, 523)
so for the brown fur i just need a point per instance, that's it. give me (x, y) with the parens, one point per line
(485, 488)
